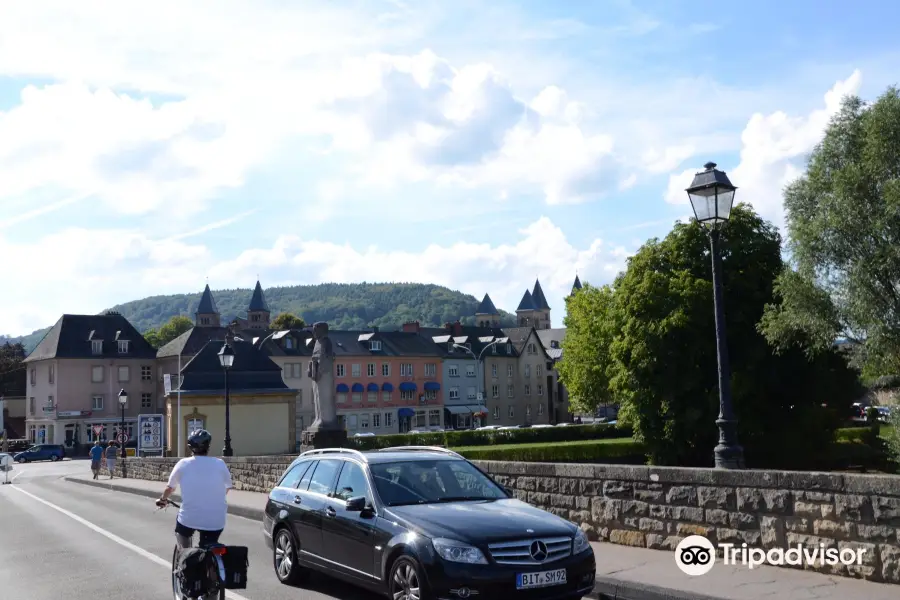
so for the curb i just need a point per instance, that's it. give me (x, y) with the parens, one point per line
(239, 511)
(605, 588)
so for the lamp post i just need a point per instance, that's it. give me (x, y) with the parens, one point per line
(478, 365)
(226, 358)
(123, 400)
(712, 196)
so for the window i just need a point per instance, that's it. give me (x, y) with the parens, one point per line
(434, 418)
(454, 393)
(385, 396)
(31, 407)
(407, 395)
(300, 400)
(540, 390)
(124, 374)
(146, 400)
(292, 477)
(385, 369)
(97, 374)
(527, 389)
(509, 349)
(364, 421)
(352, 421)
(528, 411)
(495, 391)
(304, 481)
(51, 371)
(527, 370)
(388, 419)
(50, 404)
(471, 393)
(376, 420)
(357, 396)
(97, 403)
(370, 369)
(430, 369)
(372, 396)
(511, 411)
(509, 370)
(470, 370)
(493, 348)
(430, 395)
(323, 477)
(204, 320)
(510, 391)
(532, 348)
(123, 346)
(96, 346)
(406, 370)
(539, 370)
(342, 398)
(540, 409)
(340, 370)
(352, 482)
(288, 342)
(293, 370)
(354, 371)
(420, 418)
(493, 370)
(146, 373)
(496, 412)
(375, 345)
(453, 371)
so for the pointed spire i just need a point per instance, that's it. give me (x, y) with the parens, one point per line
(207, 304)
(258, 301)
(487, 307)
(527, 302)
(577, 285)
(540, 302)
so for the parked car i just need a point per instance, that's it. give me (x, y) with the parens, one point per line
(52, 452)
(420, 523)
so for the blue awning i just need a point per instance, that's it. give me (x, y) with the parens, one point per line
(342, 388)
(432, 386)
(408, 386)
(372, 387)
(358, 387)
(387, 387)
(406, 412)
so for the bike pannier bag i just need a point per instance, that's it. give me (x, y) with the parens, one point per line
(236, 561)
(194, 572)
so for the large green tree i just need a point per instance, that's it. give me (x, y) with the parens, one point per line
(843, 222)
(286, 321)
(12, 368)
(168, 332)
(652, 335)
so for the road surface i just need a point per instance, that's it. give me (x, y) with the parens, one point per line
(67, 541)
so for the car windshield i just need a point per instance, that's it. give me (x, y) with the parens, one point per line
(432, 481)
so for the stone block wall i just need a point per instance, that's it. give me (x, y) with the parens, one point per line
(656, 507)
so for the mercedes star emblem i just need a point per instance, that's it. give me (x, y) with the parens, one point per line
(539, 551)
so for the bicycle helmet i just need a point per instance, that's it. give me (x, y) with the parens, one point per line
(200, 440)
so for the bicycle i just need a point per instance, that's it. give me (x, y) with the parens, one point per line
(216, 550)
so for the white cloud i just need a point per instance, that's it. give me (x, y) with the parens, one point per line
(774, 148)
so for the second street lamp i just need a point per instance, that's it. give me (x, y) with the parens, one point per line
(712, 196)
(226, 359)
(123, 400)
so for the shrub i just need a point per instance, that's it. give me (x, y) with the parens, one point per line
(613, 451)
(864, 435)
(487, 437)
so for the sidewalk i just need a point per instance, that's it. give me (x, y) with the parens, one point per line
(623, 572)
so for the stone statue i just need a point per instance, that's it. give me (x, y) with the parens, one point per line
(321, 371)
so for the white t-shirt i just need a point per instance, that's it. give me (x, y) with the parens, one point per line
(203, 480)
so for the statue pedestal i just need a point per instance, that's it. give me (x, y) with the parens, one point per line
(323, 438)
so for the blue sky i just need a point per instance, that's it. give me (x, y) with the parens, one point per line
(473, 144)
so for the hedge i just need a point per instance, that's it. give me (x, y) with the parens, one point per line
(488, 437)
(864, 435)
(623, 451)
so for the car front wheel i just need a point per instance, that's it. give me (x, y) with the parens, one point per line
(406, 581)
(284, 557)
(54, 458)
(22, 461)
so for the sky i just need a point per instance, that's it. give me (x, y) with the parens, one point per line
(150, 148)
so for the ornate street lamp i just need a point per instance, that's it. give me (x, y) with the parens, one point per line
(226, 359)
(712, 196)
(123, 400)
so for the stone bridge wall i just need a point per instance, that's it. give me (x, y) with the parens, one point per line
(655, 507)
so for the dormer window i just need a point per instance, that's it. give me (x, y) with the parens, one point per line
(375, 345)
(554, 344)
(96, 346)
(494, 349)
(289, 343)
(509, 348)
(123, 346)
(450, 348)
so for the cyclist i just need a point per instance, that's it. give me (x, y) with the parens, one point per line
(205, 481)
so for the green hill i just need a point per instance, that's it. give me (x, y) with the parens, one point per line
(342, 305)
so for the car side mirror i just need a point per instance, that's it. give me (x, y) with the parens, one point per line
(357, 504)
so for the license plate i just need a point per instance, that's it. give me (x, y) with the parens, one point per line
(525, 581)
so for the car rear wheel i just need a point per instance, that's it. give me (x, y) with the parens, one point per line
(54, 458)
(406, 581)
(284, 557)
(22, 461)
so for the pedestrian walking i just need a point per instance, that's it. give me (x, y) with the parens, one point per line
(96, 458)
(110, 455)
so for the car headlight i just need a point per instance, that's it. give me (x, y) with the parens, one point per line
(454, 551)
(581, 542)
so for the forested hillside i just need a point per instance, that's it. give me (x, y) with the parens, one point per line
(342, 305)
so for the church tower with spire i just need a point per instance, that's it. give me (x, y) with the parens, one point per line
(533, 310)
(207, 314)
(258, 314)
(575, 286)
(487, 315)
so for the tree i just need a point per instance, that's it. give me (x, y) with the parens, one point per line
(658, 325)
(584, 371)
(843, 221)
(168, 332)
(286, 321)
(12, 369)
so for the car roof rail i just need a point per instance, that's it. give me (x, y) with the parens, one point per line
(420, 449)
(320, 451)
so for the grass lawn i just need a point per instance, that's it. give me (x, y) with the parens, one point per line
(885, 431)
(541, 444)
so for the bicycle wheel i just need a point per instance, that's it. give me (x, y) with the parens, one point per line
(175, 593)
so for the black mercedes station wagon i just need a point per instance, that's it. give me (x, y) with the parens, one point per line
(420, 523)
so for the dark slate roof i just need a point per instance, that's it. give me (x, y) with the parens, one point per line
(252, 372)
(537, 296)
(527, 302)
(393, 343)
(487, 307)
(548, 337)
(71, 337)
(274, 343)
(576, 285)
(207, 304)
(258, 301)
(478, 337)
(191, 341)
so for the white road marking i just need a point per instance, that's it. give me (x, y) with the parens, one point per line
(16, 475)
(122, 542)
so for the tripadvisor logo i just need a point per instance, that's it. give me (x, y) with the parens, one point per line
(695, 555)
